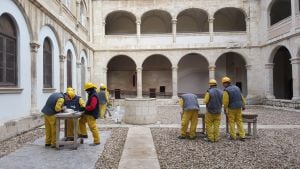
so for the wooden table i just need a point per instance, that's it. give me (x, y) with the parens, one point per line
(74, 117)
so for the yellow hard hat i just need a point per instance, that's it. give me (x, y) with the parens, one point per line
(212, 82)
(70, 92)
(226, 79)
(102, 86)
(89, 85)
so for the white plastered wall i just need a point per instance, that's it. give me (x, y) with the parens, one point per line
(15, 106)
(45, 32)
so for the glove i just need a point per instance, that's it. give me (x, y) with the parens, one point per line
(82, 109)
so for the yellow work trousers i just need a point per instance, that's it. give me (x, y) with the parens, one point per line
(102, 109)
(70, 128)
(212, 123)
(191, 115)
(50, 127)
(91, 121)
(235, 117)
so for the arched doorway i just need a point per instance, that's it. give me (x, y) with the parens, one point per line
(229, 19)
(232, 65)
(69, 69)
(157, 76)
(192, 20)
(193, 74)
(156, 22)
(282, 74)
(279, 10)
(120, 22)
(121, 76)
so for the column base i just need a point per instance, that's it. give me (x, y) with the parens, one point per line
(296, 98)
(174, 97)
(270, 96)
(34, 111)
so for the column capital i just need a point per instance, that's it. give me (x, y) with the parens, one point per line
(89, 68)
(138, 21)
(34, 46)
(62, 58)
(174, 68)
(295, 60)
(77, 2)
(139, 68)
(174, 21)
(248, 67)
(269, 65)
(212, 68)
(78, 64)
(211, 19)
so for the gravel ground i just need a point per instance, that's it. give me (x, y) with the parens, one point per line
(113, 149)
(273, 149)
(266, 116)
(17, 142)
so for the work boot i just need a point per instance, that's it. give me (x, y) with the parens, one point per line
(47, 145)
(243, 139)
(181, 137)
(94, 144)
(207, 140)
(192, 138)
(82, 136)
(70, 139)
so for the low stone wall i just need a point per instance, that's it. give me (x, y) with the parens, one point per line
(282, 103)
(14, 127)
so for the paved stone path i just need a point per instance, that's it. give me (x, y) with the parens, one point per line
(139, 151)
(36, 156)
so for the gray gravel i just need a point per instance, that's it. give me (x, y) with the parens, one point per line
(273, 149)
(266, 116)
(113, 149)
(17, 142)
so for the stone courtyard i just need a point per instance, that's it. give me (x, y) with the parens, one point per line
(156, 146)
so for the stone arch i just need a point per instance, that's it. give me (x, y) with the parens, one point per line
(230, 19)
(193, 74)
(233, 65)
(156, 21)
(282, 73)
(121, 75)
(192, 20)
(279, 10)
(120, 22)
(157, 75)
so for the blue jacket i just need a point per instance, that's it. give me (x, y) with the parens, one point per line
(214, 105)
(235, 97)
(190, 102)
(49, 108)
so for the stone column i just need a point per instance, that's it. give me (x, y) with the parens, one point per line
(62, 59)
(212, 70)
(296, 78)
(175, 82)
(294, 11)
(104, 75)
(78, 64)
(269, 83)
(211, 29)
(247, 21)
(139, 82)
(174, 31)
(103, 27)
(138, 30)
(34, 50)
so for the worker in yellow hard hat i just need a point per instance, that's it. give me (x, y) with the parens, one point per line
(103, 96)
(76, 103)
(213, 101)
(54, 105)
(233, 102)
(90, 115)
(189, 104)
